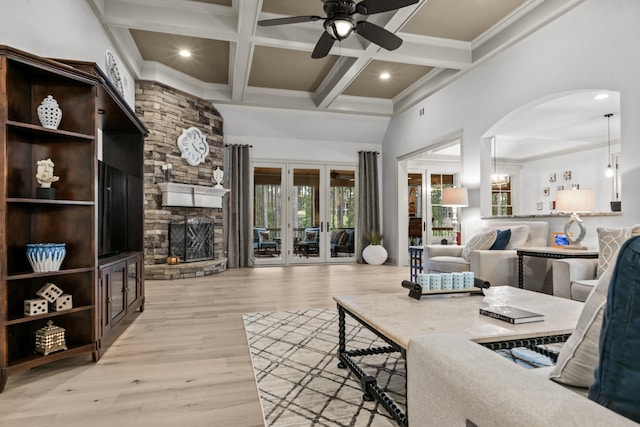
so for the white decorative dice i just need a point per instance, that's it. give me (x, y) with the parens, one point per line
(446, 281)
(64, 302)
(458, 280)
(468, 277)
(423, 281)
(435, 283)
(35, 306)
(50, 292)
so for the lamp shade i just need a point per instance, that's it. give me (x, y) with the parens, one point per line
(455, 197)
(575, 200)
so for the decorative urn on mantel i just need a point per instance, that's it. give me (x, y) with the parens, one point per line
(193, 196)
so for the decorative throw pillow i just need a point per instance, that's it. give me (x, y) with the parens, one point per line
(336, 235)
(310, 236)
(579, 355)
(344, 238)
(519, 236)
(480, 241)
(610, 241)
(264, 236)
(616, 383)
(502, 239)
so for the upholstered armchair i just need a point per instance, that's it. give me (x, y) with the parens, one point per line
(311, 237)
(498, 267)
(342, 241)
(575, 278)
(263, 241)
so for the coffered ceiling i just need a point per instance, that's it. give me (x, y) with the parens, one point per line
(235, 61)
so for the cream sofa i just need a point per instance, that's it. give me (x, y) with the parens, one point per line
(498, 267)
(452, 380)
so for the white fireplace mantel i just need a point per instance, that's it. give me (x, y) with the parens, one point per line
(192, 196)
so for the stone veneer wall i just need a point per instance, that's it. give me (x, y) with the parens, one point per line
(167, 112)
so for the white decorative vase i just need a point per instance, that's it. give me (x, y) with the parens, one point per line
(375, 254)
(49, 113)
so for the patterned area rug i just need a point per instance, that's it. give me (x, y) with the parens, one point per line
(295, 365)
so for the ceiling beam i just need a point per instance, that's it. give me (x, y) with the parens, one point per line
(178, 17)
(240, 55)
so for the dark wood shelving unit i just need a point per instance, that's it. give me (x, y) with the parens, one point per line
(86, 98)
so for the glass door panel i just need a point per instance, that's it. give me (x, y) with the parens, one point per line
(441, 226)
(415, 209)
(268, 214)
(307, 226)
(342, 214)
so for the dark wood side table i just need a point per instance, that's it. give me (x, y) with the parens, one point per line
(549, 252)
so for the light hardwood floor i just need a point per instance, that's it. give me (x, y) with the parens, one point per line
(184, 361)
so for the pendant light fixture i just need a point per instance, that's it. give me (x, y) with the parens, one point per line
(609, 172)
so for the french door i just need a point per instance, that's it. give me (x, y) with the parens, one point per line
(269, 213)
(304, 213)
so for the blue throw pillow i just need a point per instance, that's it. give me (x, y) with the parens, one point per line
(502, 240)
(616, 382)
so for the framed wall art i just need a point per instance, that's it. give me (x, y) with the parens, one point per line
(559, 240)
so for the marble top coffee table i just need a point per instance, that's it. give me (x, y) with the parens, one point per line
(397, 319)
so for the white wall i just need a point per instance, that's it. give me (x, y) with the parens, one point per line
(595, 45)
(65, 29)
(587, 170)
(280, 134)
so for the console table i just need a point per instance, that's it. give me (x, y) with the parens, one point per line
(397, 319)
(549, 252)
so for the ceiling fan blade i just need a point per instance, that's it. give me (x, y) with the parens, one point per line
(323, 46)
(378, 35)
(288, 20)
(369, 7)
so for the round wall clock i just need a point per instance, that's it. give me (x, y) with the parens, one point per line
(193, 146)
(113, 72)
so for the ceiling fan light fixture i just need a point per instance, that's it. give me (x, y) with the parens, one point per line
(340, 28)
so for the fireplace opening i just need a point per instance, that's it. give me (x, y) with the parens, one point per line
(191, 239)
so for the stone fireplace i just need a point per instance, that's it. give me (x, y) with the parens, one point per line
(192, 239)
(168, 177)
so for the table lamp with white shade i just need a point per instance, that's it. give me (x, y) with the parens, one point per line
(456, 197)
(575, 201)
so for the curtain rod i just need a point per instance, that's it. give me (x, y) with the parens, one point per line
(363, 151)
(241, 145)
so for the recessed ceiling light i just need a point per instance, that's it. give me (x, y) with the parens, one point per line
(185, 53)
(385, 76)
(601, 96)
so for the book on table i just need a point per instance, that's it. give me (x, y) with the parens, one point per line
(511, 314)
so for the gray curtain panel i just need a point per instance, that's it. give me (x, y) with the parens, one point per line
(368, 198)
(238, 229)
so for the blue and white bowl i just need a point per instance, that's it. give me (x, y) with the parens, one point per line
(45, 257)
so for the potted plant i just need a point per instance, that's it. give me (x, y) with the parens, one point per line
(374, 253)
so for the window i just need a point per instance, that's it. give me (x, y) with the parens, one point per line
(267, 202)
(441, 216)
(501, 196)
(342, 200)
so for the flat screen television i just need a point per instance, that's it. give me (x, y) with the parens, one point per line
(112, 210)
